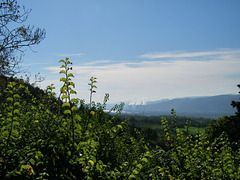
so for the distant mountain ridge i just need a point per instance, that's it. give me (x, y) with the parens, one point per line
(206, 106)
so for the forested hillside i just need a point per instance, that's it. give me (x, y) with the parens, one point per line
(45, 137)
(208, 107)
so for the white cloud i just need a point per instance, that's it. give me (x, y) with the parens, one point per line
(156, 80)
(182, 54)
(70, 55)
(98, 62)
(31, 64)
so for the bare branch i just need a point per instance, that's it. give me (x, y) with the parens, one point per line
(13, 41)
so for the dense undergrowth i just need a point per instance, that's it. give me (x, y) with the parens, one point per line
(45, 137)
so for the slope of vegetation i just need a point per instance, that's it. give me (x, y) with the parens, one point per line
(155, 121)
(44, 137)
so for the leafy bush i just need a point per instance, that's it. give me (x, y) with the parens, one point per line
(63, 138)
(229, 125)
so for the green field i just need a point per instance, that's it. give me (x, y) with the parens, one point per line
(194, 130)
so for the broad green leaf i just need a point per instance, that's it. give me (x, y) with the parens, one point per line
(139, 166)
(73, 100)
(11, 84)
(16, 96)
(15, 132)
(63, 79)
(15, 118)
(62, 61)
(21, 86)
(9, 99)
(62, 72)
(5, 133)
(72, 84)
(78, 127)
(135, 171)
(64, 96)
(73, 92)
(84, 170)
(74, 108)
(132, 176)
(64, 124)
(63, 89)
(77, 117)
(16, 104)
(70, 75)
(83, 143)
(67, 112)
(92, 113)
(91, 162)
(120, 126)
(9, 115)
(66, 104)
(30, 154)
(16, 111)
(32, 161)
(144, 160)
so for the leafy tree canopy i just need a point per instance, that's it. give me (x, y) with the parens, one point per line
(14, 36)
(229, 125)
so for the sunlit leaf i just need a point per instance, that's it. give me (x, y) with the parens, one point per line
(74, 108)
(62, 72)
(73, 92)
(72, 84)
(63, 79)
(84, 170)
(9, 99)
(64, 96)
(16, 111)
(66, 104)
(16, 96)
(70, 75)
(91, 162)
(16, 104)
(144, 160)
(77, 117)
(73, 100)
(132, 176)
(67, 112)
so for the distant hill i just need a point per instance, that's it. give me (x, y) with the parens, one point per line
(210, 106)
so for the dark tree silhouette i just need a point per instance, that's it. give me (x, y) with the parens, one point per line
(14, 36)
(237, 105)
(228, 124)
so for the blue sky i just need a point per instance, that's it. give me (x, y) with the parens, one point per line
(139, 49)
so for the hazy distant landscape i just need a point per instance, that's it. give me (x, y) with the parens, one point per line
(208, 107)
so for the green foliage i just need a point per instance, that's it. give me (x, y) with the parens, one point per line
(52, 138)
(229, 125)
(237, 105)
(155, 121)
(93, 81)
(62, 138)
